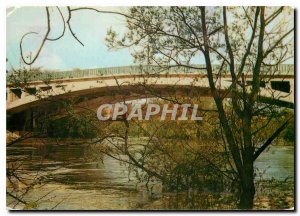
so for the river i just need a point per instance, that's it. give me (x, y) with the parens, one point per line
(80, 184)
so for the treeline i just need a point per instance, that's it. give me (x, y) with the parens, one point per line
(81, 127)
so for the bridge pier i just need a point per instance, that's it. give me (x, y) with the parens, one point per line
(23, 121)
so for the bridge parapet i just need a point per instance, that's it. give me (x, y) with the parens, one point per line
(284, 69)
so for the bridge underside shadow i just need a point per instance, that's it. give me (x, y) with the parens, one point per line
(88, 101)
(24, 117)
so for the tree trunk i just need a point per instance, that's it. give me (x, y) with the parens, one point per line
(247, 188)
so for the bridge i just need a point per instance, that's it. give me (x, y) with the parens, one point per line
(105, 85)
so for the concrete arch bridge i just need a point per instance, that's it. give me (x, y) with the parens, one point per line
(108, 85)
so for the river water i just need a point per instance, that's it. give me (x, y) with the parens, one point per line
(79, 184)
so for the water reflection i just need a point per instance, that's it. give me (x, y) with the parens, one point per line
(277, 162)
(76, 183)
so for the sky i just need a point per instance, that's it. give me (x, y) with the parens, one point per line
(65, 53)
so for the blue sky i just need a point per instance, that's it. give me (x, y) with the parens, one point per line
(66, 53)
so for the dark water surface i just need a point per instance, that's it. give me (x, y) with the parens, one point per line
(79, 184)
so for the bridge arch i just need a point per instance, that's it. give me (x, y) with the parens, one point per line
(18, 100)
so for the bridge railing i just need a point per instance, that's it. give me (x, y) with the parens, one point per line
(24, 76)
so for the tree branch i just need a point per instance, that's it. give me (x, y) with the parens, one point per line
(270, 140)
